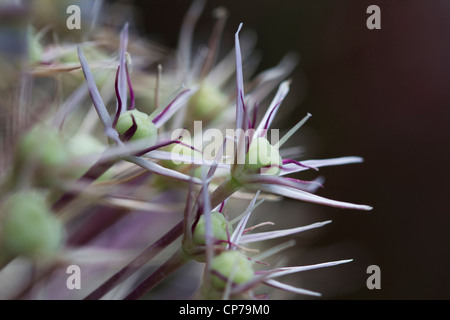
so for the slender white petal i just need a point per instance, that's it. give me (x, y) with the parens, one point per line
(235, 237)
(292, 167)
(153, 167)
(223, 70)
(166, 155)
(286, 287)
(306, 196)
(122, 81)
(96, 98)
(239, 82)
(283, 90)
(293, 130)
(288, 270)
(247, 238)
(274, 250)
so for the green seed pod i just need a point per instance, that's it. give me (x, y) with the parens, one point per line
(84, 145)
(29, 228)
(207, 102)
(146, 129)
(231, 263)
(219, 228)
(262, 154)
(42, 145)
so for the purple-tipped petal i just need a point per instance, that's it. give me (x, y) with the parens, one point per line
(155, 147)
(298, 163)
(306, 196)
(179, 101)
(266, 121)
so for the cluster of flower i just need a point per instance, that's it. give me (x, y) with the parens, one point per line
(72, 189)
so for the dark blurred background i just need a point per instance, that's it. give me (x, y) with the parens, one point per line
(380, 94)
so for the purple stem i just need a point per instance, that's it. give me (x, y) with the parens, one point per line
(138, 262)
(219, 195)
(177, 260)
(92, 174)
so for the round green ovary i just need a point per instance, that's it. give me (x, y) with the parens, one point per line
(231, 263)
(44, 145)
(82, 145)
(219, 228)
(29, 227)
(146, 129)
(262, 154)
(207, 102)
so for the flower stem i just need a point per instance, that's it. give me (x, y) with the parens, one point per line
(224, 191)
(219, 195)
(99, 168)
(177, 260)
(138, 262)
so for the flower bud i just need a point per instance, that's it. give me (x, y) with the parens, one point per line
(146, 129)
(43, 145)
(231, 263)
(262, 155)
(219, 228)
(207, 102)
(84, 145)
(29, 228)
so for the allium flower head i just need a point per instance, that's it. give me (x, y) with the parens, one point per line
(114, 183)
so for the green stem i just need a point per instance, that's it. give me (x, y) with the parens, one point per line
(224, 191)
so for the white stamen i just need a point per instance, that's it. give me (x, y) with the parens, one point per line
(293, 130)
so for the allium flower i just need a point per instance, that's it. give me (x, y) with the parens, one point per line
(83, 185)
(246, 174)
(233, 273)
